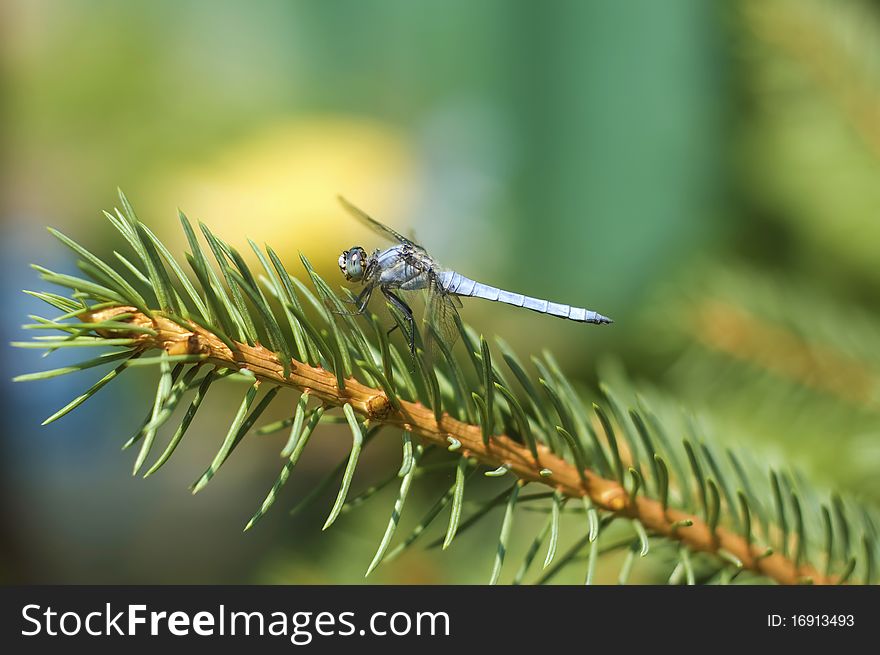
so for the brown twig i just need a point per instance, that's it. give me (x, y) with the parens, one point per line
(733, 330)
(372, 403)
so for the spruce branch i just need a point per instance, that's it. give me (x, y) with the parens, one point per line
(499, 451)
(618, 469)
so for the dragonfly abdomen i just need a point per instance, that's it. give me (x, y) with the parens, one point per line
(460, 285)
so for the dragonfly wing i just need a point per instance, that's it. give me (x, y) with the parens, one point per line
(441, 315)
(375, 225)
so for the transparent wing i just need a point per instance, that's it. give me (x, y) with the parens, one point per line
(375, 225)
(441, 315)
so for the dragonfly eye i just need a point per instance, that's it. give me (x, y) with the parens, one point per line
(351, 262)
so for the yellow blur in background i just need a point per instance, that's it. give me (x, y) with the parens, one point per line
(282, 184)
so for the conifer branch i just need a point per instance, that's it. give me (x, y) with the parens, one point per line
(275, 331)
(500, 451)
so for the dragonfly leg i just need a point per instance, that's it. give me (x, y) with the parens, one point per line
(407, 314)
(362, 299)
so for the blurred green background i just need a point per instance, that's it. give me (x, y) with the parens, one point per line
(708, 174)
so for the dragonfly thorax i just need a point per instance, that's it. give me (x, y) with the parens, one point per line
(353, 263)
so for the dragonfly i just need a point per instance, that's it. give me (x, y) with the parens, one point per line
(407, 266)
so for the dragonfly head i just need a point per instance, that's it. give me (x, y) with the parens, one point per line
(353, 263)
